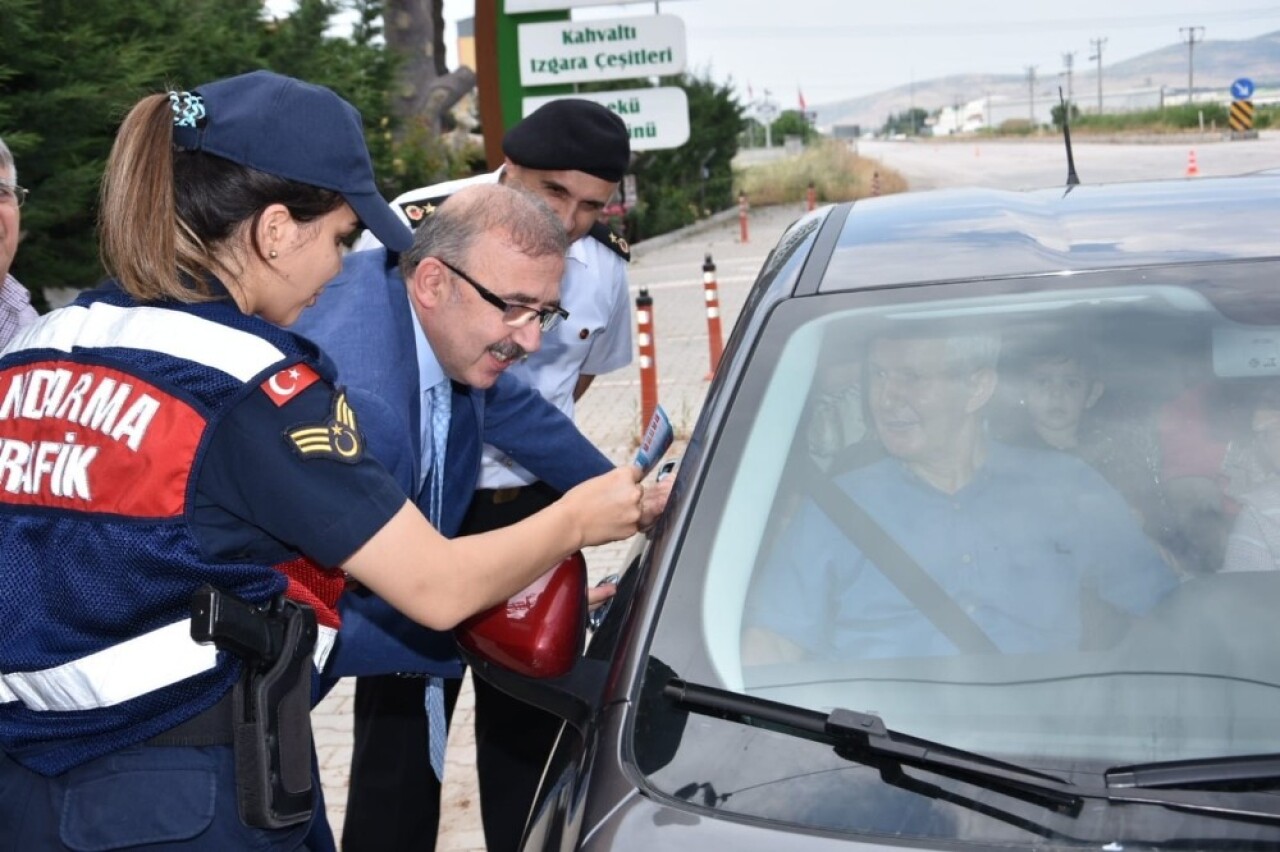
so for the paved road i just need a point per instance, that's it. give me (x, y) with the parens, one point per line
(1032, 165)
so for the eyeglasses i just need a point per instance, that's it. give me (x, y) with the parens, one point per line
(12, 190)
(515, 316)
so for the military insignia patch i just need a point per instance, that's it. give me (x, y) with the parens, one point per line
(337, 438)
(420, 208)
(615, 243)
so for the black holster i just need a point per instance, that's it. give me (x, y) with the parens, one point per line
(271, 702)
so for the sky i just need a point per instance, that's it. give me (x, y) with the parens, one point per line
(829, 50)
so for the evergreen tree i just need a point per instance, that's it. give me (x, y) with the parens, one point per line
(791, 123)
(70, 69)
(680, 185)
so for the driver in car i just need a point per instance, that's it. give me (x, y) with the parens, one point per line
(1016, 541)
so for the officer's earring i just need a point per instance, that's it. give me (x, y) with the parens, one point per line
(273, 254)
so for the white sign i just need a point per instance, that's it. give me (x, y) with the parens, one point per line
(520, 7)
(604, 49)
(656, 118)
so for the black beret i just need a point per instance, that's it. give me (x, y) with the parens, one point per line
(571, 134)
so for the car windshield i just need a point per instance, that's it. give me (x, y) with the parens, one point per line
(1036, 519)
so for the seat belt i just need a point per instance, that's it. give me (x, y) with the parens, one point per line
(898, 566)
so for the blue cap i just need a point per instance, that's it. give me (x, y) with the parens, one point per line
(297, 131)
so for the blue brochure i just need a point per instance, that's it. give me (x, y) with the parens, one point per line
(657, 440)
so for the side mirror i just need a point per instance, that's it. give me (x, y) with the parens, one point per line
(540, 631)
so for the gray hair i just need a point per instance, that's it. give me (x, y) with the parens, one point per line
(971, 353)
(522, 221)
(967, 351)
(6, 161)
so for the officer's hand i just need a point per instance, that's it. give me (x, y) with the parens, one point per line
(607, 507)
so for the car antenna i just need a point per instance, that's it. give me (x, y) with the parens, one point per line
(1072, 179)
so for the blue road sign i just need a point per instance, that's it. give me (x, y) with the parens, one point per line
(1242, 89)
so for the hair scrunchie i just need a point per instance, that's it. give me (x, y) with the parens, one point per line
(188, 109)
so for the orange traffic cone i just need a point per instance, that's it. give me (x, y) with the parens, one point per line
(1192, 168)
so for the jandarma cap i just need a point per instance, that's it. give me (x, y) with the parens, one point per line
(298, 131)
(571, 134)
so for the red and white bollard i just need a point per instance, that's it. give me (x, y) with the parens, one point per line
(742, 217)
(648, 357)
(712, 294)
(811, 197)
(875, 183)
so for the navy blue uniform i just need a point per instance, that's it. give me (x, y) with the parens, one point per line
(145, 450)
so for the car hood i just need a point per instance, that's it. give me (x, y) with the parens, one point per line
(641, 823)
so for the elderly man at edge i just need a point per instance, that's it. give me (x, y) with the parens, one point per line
(15, 301)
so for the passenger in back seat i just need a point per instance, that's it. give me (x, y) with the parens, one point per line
(1254, 543)
(1061, 390)
(1207, 464)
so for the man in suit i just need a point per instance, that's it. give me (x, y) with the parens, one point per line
(571, 154)
(472, 296)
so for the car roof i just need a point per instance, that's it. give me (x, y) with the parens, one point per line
(963, 234)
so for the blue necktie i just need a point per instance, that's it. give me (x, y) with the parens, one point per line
(437, 727)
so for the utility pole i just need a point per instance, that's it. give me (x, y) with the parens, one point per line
(1097, 54)
(911, 110)
(767, 112)
(1191, 50)
(1031, 92)
(1068, 60)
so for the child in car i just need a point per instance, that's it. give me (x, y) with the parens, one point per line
(1060, 388)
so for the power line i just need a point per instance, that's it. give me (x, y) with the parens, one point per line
(967, 26)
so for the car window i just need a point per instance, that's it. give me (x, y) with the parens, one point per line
(1037, 519)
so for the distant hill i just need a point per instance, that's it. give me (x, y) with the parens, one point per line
(1217, 64)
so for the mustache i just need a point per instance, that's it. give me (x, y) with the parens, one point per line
(509, 350)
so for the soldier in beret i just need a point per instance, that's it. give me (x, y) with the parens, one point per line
(571, 153)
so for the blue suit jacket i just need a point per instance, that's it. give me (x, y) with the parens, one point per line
(363, 322)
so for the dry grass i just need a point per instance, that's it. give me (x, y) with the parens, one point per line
(837, 173)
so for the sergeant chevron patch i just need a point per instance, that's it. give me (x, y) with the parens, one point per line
(337, 438)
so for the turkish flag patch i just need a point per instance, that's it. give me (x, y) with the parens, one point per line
(289, 382)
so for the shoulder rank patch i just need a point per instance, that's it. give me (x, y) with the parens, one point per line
(337, 438)
(289, 382)
(615, 243)
(417, 209)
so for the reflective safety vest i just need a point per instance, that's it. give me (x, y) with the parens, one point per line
(106, 409)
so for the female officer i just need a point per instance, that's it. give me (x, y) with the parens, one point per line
(161, 434)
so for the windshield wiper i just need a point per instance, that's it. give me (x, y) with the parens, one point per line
(1209, 771)
(858, 736)
(864, 738)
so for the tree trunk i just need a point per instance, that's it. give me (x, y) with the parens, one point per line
(425, 88)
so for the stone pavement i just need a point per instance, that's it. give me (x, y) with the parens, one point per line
(670, 268)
